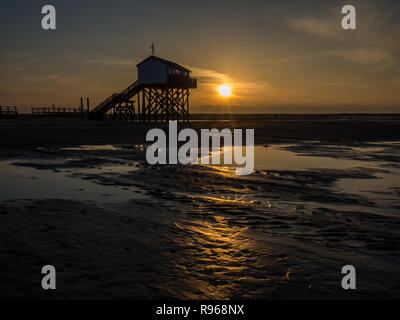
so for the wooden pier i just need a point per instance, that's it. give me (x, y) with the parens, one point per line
(8, 112)
(56, 112)
(62, 112)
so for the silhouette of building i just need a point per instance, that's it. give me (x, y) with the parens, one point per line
(161, 93)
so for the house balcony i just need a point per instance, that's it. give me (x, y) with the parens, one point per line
(182, 81)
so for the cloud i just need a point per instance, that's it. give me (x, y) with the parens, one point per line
(108, 61)
(345, 84)
(244, 93)
(376, 25)
(208, 76)
(328, 27)
(288, 59)
(365, 56)
(375, 43)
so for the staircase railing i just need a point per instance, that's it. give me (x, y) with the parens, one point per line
(105, 103)
(104, 106)
(129, 89)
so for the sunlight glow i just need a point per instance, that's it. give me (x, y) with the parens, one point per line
(225, 90)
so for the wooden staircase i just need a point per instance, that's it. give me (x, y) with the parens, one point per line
(113, 100)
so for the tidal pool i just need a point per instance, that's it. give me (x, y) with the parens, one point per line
(205, 233)
(21, 182)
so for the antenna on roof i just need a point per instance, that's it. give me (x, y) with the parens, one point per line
(152, 49)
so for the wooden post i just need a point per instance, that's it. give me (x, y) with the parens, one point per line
(167, 103)
(187, 101)
(88, 105)
(81, 108)
(143, 105)
(138, 106)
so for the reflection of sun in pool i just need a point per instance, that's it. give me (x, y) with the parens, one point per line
(225, 90)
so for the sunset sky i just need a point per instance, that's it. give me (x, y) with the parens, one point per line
(277, 56)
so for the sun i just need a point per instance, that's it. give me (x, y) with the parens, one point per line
(225, 90)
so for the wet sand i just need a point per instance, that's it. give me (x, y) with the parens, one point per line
(325, 193)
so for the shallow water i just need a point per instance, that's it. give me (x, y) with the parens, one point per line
(276, 158)
(27, 182)
(20, 182)
(379, 189)
(379, 186)
(201, 232)
(92, 148)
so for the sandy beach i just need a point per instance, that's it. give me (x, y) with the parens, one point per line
(80, 195)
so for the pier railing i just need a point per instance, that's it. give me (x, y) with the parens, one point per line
(8, 112)
(182, 81)
(56, 112)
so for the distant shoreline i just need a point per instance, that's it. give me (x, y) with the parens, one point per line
(213, 116)
(28, 132)
(228, 116)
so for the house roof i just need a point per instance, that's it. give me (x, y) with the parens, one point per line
(168, 63)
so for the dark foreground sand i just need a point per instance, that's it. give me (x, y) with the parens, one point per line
(194, 232)
(26, 132)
